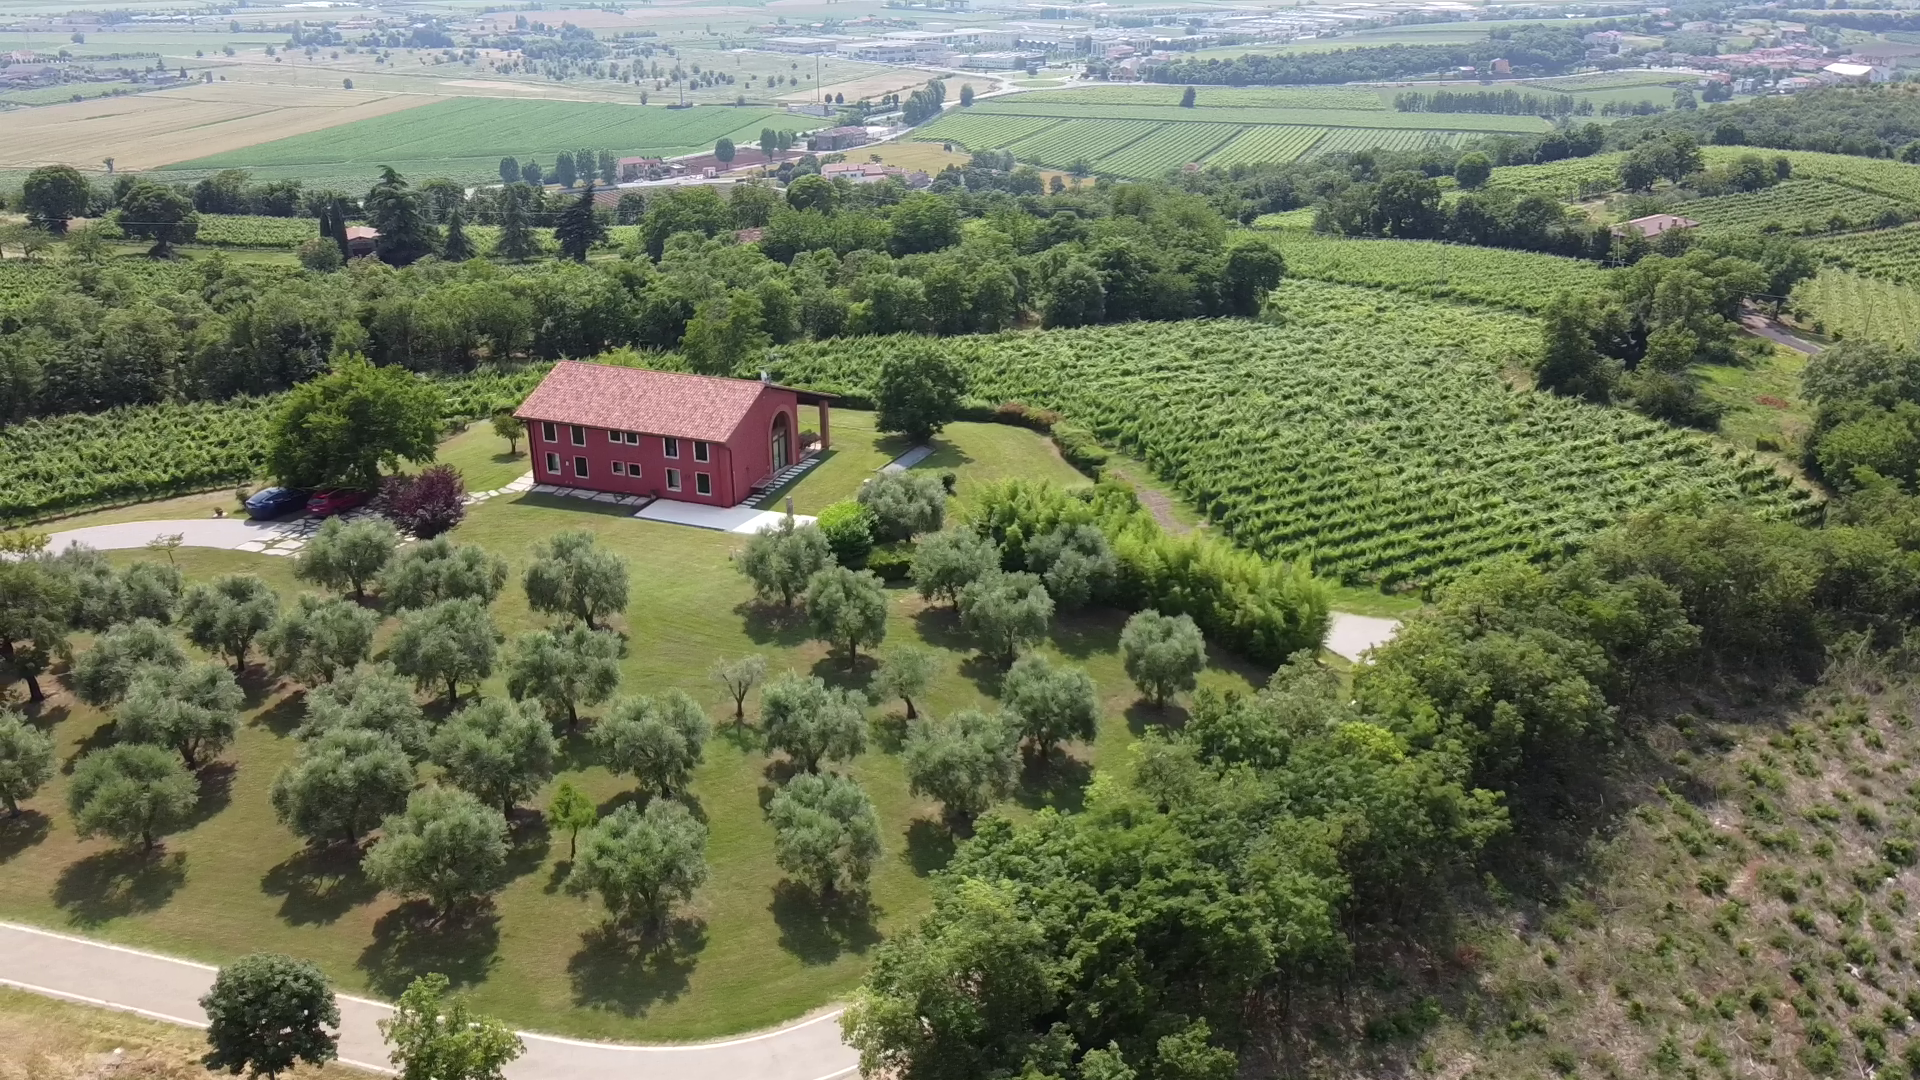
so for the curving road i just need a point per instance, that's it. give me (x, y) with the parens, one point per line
(168, 989)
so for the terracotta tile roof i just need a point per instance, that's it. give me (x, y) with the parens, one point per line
(702, 407)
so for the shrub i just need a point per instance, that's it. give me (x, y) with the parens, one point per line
(1080, 450)
(892, 563)
(848, 527)
(425, 505)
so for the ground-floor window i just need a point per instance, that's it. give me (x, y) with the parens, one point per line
(553, 464)
(619, 468)
(580, 467)
(633, 469)
(673, 479)
(703, 483)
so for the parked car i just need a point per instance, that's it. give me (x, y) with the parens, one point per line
(274, 501)
(334, 500)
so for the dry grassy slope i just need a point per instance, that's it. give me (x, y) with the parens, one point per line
(42, 1039)
(1751, 916)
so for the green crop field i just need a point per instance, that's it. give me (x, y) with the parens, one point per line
(1256, 145)
(1608, 80)
(1498, 277)
(1893, 254)
(76, 91)
(1893, 179)
(1560, 179)
(1372, 433)
(1285, 97)
(1795, 207)
(1252, 114)
(465, 138)
(1846, 305)
(251, 231)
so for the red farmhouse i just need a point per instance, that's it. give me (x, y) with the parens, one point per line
(695, 438)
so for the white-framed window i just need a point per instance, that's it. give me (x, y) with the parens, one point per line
(633, 469)
(633, 438)
(615, 437)
(580, 467)
(549, 432)
(673, 479)
(619, 468)
(703, 483)
(670, 446)
(579, 435)
(553, 462)
(701, 452)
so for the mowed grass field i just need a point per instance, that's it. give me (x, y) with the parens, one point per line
(1142, 131)
(465, 138)
(747, 953)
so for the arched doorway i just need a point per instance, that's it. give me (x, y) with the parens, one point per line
(782, 441)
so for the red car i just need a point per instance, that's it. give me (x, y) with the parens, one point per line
(334, 500)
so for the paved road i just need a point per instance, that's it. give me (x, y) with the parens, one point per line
(166, 989)
(1760, 326)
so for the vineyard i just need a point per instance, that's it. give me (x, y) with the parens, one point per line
(1225, 114)
(1893, 254)
(1258, 145)
(1498, 277)
(1369, 433)
(74, 462)
(1895, 180)
(1796, 207)
(1278, 97)
(1848, 305)
(251, 231)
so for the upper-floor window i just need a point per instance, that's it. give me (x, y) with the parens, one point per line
(549, 432)
(633, 438)
(670, 446)
(701, 451)
(579, 435)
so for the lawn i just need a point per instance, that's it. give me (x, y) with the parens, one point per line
(44, 1039)
(1763, 400)
(749, 952)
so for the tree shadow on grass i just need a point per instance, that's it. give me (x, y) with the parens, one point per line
(285, 715)
(889, 731)
(628, 972)
(1058, 780)
(318, 885)
(1144, 714)
(216, 790)
(833, 670)
(771, 624)
(117, 883)
(98, 739)
(742, 737)
(577, 753)
(409, 943)
(44, 715)
(21, 831)
(987, 673)
(816, 928)
(531, 842)
(259, 683)
(1089, 632)
(939, 626)
(930, 846)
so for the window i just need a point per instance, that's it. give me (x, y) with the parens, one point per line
(671, 447)
(580, 467)
(700, 451)
(633, 438)
(633, 469)
(615, 437)
(703, 483)
(673, 479)
(579, 435)
(553, 463)
(549, 432)
(619, 469)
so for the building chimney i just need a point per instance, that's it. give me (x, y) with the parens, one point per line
(766, 377)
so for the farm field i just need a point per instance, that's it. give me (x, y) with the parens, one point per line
(1278, 97)
(1607, 80)
(749, 951)
(1496, 277)
(1847, 305)
(1794, 207)
(1893, 254)
(1245, 114)
(145, 131)
(54, 95)
(466, 138)
(251, 231)
(1371, 433)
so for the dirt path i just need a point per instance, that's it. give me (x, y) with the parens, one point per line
(1156, 502)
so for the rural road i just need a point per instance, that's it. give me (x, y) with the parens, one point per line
(1760, 326)
(166, 989)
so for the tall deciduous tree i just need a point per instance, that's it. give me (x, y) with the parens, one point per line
(825, 831)
(570, 810)
(103, 674)
(26, 760)
(579, 227)
(658, 742)
(158, 213)
(267, 1013)
(1005, 612)
(347, 556)
(439, 1037)
(446, 847)
(194, 710)
(1163, 654)
(1051, 704)
(641, 862)
(316, 639)
(781, 558)
(131, 792)
(342, 784)
(967, 761)
(450, 643)
(573, 577)
(52, 194)
(847, 609)
(225, 615)
(565, 669)
(812, 722)
(919, 392)
(499, 751)
(347, 425)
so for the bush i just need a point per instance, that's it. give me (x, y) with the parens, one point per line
(892, 562)
(320, 254)
(425, 505)
(1080, 449)
(1022, 415)
(848, 527)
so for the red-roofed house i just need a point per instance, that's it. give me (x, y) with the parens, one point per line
(694, 438)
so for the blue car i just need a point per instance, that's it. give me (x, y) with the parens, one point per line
(274, 501)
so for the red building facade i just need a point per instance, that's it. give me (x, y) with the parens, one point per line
(662, 434)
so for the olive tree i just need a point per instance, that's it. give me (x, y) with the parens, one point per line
(131, 792)
(26, 760)
(825, 831)
(967, 761)
(640, 862)
(341, 784)
(446, 847)
(1163, 655)
(949, 561)
(904, 504)
(267, 1013)
(905, 673)
(225, 615)
(103, 674)
(194, 710)
(450, 643)
(565, 669)
(812, 722)
(347, 556)
(847, 609)
(739, 677)
(499, 751)
(1006, 612)
(573, 577)
(316, 639)
(426, 573)
(782, 558)
(372, 697)
(657, 742)
(437, 1037)
(1050, 704)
